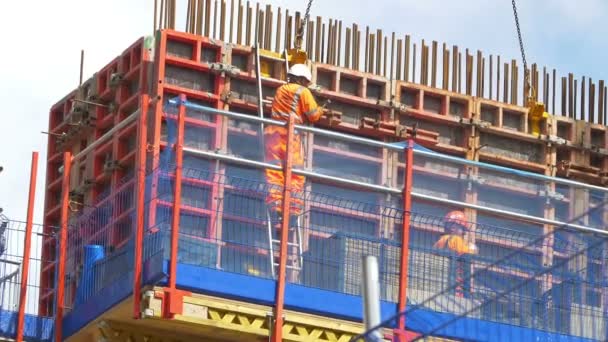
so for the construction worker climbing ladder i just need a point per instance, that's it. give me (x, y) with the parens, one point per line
(291, 99)
(453, 240)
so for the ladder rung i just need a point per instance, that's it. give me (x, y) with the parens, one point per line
(290, 267)
(288, 243)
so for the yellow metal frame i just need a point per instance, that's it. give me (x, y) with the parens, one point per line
(231, 319)
(269, 58)
(206, 318)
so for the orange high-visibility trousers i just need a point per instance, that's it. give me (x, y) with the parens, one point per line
(276, 153)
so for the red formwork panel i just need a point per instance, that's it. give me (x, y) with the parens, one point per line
(584, 154)
(445, 113)
(505, 137)
(111, 95)
(184, 65)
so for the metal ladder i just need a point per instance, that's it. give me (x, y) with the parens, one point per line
(295, 257)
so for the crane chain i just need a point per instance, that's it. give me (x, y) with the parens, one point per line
(521, 48)
(300, 34)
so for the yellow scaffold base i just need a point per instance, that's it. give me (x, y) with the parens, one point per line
(206, 318)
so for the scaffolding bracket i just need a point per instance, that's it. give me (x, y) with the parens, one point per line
(474, 122)
(116, 79)
(224, 69)
(173, 301)
(552, 140)
(471, 180)
(227, 96)
(392, 105)
(550, 195)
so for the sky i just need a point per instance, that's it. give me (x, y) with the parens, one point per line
(42, 40)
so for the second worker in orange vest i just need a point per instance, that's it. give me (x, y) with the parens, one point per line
(295, 99)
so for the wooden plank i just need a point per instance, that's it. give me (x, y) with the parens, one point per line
(358, 51)
(591, 101)
(231, 37)
(424, 63)
(288, 30)
(248, 25)
(491, 65)
(339, 54)
(260, 28)
(347, 52)
(385, 58)
(455, 64)
(564, 96)
(398, 71)
(513, 82)
(370, 58)
(310, 38)
(318, 41)
(483, 77)
(478, 75)
(406, 71)
(323, 44)
(460, 72)
(554, 84)
(571, 95)
(535, 81)
(277, 42)
(200, 15)
(575, 98)
(434, 65)
(505, 97)
(414, 63)
(600, 103)
(208, 17)
(516, 90)
(189, 17)
(545, 89)
(498, 67)
(583, 98)
(356, 46)
(367, 44)
(605, 106)
(469, 73)
(268, 29)
(329, 41)
(526, 86)
(392, 71)
(239, 24)
(223, 21)
(215, 21)
(378, 52)
(446, 67)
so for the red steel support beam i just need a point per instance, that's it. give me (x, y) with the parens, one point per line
(277, 334)
(63, 235)
(140, 198)
(405, 234)
(27, 245)
(173, 304)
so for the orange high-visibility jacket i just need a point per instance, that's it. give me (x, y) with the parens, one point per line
(295, 99)
(454, 243)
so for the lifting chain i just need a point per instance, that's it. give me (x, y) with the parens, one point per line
(300, 34)
(523, 54)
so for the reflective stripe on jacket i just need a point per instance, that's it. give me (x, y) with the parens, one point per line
(297, 100)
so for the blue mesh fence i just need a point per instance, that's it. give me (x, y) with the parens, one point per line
(527, 269)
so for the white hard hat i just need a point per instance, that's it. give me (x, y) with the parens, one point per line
(300, 70)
